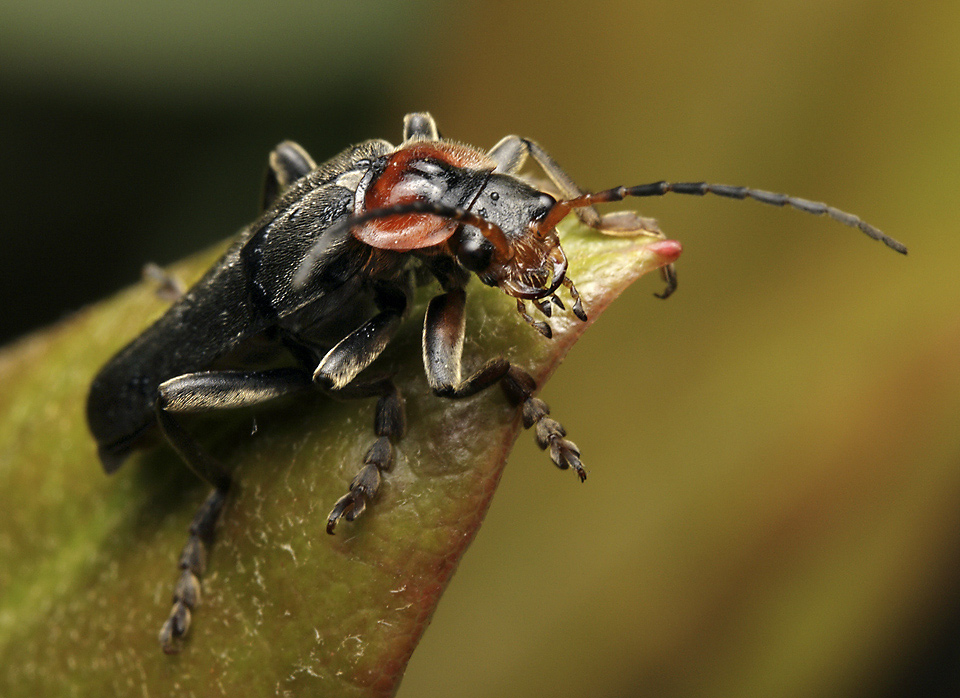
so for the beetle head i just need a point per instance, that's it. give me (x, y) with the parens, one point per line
(528, 263)
(518, 250)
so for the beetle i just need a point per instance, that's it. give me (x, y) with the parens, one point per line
(326, 275)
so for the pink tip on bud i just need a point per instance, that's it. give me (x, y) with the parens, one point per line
(667, 250)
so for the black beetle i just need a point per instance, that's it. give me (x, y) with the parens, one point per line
(327, 273)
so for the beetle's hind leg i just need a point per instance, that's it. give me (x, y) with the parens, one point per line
(287, 163)
(203, 392)
(169, 287)
(443, 334)
(192, 564)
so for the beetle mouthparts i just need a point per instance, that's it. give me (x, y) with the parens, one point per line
(529, 275)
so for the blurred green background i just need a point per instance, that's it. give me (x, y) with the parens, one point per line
(774, 452)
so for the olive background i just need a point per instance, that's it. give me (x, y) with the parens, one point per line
(774, 452)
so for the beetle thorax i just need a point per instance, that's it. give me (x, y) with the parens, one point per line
(440, 172)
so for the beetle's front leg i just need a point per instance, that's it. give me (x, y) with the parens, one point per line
(443, 333)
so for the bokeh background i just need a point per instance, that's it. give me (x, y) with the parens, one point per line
(774, 452)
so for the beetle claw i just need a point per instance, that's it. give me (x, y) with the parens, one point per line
(344, 508)
(541, 327)
(175, 628)
(544, 307)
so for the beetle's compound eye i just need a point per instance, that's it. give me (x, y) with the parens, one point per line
(475, 252)
(545, 202)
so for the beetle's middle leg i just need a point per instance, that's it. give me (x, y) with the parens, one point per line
(388, 425)
(336, 374)
(204, 392)
(443, 333)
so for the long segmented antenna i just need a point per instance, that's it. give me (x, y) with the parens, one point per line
(491, 231)
(700, 188)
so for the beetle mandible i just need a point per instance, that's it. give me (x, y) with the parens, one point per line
(326, 273)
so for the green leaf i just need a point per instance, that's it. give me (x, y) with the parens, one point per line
(88, 563)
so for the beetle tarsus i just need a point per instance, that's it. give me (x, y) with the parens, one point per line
(668, 273)
(193, 562)
(543, 305)
(628, 224)
(519, 386)
(389, 423)
(364, 486)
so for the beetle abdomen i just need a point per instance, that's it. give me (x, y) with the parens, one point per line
(207, 323)
(244, 293)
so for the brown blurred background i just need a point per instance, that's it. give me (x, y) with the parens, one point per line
(774, 452)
